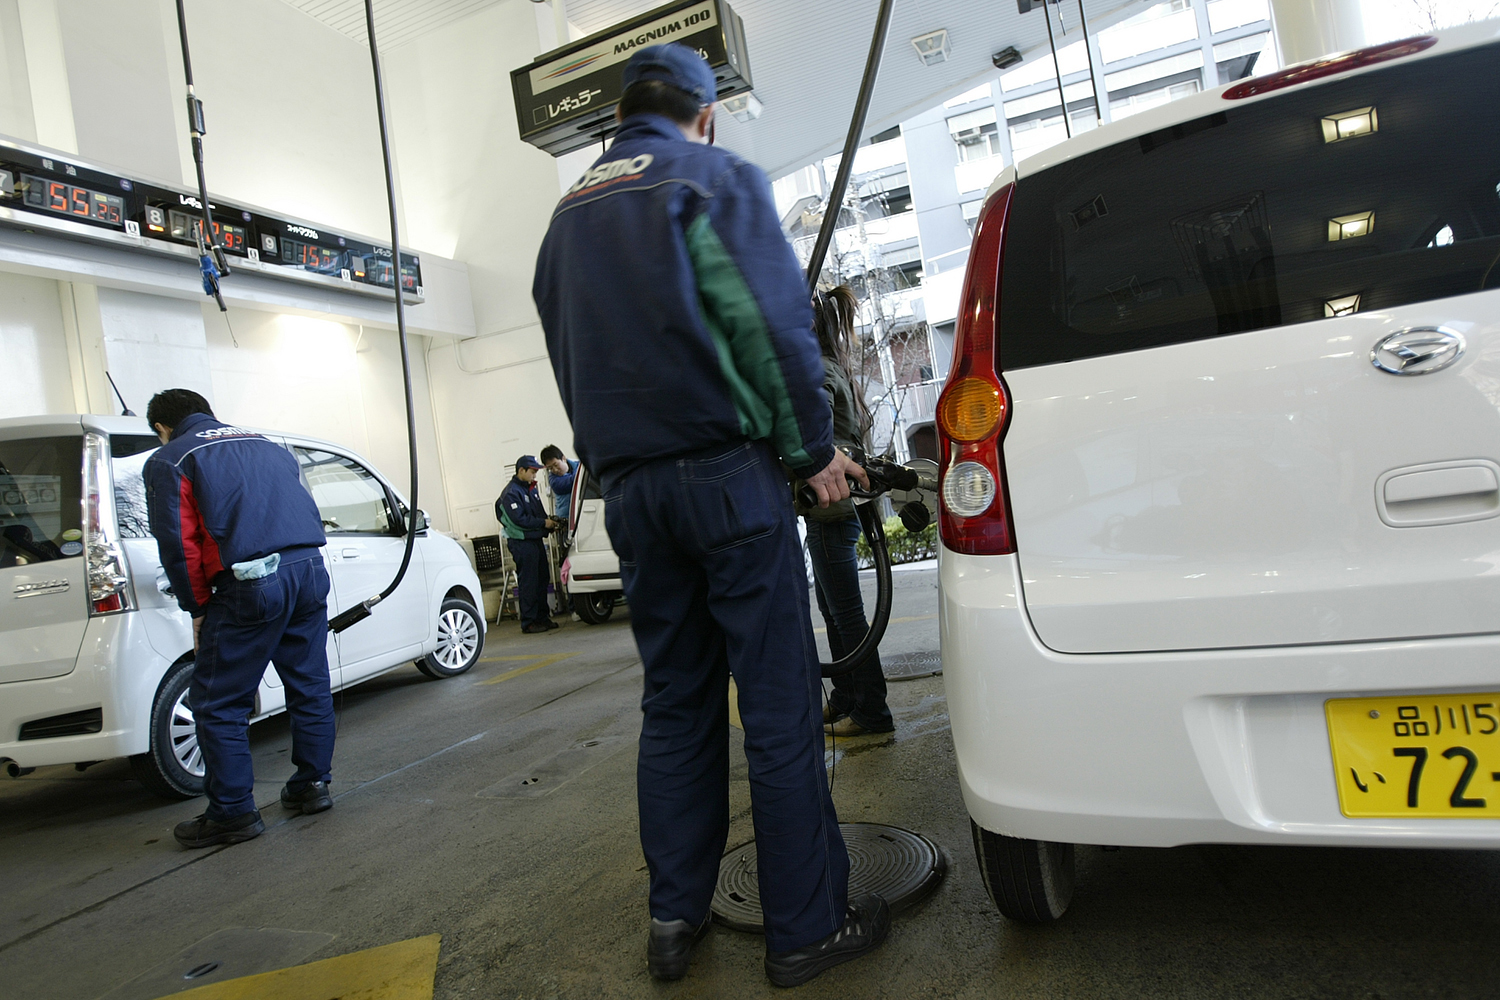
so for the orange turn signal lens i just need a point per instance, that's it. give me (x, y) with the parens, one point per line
(970, 410)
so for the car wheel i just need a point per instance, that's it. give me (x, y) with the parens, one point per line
(595, 608)
(1029, 880)
(460, 641)
(173, 767)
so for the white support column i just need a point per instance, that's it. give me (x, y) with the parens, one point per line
(1310, 29)
(1206, 37)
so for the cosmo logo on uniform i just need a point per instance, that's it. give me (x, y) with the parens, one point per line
(613, 170)
(223, 432)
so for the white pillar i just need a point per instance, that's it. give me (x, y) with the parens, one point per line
(1310, 29)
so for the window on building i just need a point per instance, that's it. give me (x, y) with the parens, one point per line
(976, 134)
(971, 213)
(1136, 103)
(1154, 28)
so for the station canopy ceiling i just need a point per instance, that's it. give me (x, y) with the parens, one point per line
(806, 56)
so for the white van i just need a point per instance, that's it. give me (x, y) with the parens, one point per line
(591, 570)
(1221, 474)
(95, 656)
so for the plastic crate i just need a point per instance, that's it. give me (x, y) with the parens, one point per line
(487, 553)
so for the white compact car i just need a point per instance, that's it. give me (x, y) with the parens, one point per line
(95, 656)
(591, 571)
(1221, 475)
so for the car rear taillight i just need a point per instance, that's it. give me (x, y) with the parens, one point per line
(972, 412)
(105, 566)
(1341, 62)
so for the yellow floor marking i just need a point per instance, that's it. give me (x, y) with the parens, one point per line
(544, 661)
(400, 971)
(894, 621)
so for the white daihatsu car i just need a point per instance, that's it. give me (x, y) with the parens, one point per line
(95, 656)
(1221, 474)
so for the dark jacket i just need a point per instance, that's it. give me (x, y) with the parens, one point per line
(676, 316)
(846, 434)
(519, 510)
(217, 495)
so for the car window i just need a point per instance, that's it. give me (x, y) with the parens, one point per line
(349, 498)
(41, 510)
(128, 454)
(590, 485)
(1365, 193)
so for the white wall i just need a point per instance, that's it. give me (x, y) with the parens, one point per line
(33, 349)
(327, 380)
(474, 191)
(153, 343)
(290, 107)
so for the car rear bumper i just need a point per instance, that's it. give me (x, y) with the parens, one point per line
(1162, 749)
(117, 672)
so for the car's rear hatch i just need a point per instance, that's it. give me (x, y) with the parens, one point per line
(1201, 453)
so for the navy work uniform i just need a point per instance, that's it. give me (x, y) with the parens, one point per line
(226, 503)
(680, 333)
(521, 513)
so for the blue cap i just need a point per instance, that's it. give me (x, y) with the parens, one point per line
(676, 64)
(528, 462)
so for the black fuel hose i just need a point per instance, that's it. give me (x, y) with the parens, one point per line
(361, 611)
(869, 520)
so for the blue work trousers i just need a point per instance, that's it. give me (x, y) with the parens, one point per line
(712, 566)
(859, 693)
(281, 619)
(531, 578)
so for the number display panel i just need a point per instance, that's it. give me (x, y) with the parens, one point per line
(33, 182)
(1417, 756)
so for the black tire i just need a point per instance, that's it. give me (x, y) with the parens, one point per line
(460, 641)
(595, 608)
(173, 767)
(1029, 880)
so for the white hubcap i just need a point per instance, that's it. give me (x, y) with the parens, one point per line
(458, 639)
(184, 736)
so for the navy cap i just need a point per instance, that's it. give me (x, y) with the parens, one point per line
(676, 64)
(528, 462)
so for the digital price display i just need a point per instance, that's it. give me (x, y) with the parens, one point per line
(231, 238)
(68, 199)
(311, 256)
(382, 273)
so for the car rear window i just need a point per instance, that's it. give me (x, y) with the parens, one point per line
(41, 510)
(128, 454)
(1364, 193)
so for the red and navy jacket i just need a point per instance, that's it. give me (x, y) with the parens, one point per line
(218, 495)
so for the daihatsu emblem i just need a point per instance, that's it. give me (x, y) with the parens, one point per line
(1420, 350)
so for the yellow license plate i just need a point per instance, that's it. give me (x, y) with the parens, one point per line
(1427, 756)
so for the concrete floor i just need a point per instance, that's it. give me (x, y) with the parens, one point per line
(543, 895)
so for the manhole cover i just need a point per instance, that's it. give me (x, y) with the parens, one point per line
(910, 666)
(902, 866)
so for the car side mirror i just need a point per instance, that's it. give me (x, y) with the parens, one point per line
(424, 521)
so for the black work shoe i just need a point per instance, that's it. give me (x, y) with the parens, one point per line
(670, 943)
(551, 624)
(864, 929)
(312, 799)
(205, 832)
(535, 628)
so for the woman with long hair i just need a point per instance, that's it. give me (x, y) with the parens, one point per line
(857, 704)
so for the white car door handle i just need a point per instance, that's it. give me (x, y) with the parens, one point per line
(350, 553)
(1439, 493)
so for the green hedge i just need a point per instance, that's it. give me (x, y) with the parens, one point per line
(904, 546)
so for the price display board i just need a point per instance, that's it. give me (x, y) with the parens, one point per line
(93, 203)
(566, 99)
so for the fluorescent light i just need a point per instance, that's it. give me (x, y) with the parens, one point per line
(745, 107)
(932, 47)
(1348, 227)
(1346, 306)
(1350, 124)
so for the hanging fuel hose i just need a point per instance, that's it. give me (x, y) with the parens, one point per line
(884, 477)
(361, 611)
(213, 265)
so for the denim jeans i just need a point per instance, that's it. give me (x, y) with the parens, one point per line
(710, 562)
(283, 619)
(860, 693)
